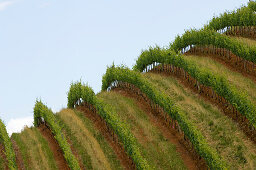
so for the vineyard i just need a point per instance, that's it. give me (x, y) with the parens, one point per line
(190, 105)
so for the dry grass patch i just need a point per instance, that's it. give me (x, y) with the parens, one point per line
(85, 139)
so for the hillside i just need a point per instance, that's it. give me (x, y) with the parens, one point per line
(221, 133)
(191, 105)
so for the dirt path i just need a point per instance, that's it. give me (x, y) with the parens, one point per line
(54, 146)
(19, 160)
(126, 162)
(189, 158)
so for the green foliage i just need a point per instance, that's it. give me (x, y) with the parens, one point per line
(80, 92)
(41, 111)
(206, 37)
(252, 5)
(219, 84)
(6, 141)
(123, 74)
(244, 16)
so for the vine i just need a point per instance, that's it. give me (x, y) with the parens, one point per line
(42, 114)
(6, 141)
(80, 95)
(244, 16)
(208, 38)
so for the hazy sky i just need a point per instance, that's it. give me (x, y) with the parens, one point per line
(47, 44)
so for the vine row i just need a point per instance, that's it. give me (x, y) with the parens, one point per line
(9, 152)
(115, 75)
(236, 62)
(42, 114)
(242, 31)
(81, 95)
(201, 78)
(163, 117)
(244, 16)
(211, 38)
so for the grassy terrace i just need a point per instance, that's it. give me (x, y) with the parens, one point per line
(246, 85)
(159, 152)
(247, 41)
(94, 152)
(34, 149)
(220, 131)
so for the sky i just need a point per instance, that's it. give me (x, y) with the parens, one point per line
(47, 44)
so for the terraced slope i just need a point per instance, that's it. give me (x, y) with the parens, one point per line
(156, 146)
(92, 149)
(246, 85)
(35, 149)
(221, 132)
(172, 120)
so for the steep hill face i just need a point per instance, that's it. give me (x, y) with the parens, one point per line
(189, 106)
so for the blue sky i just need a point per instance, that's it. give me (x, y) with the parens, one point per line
(47, 44)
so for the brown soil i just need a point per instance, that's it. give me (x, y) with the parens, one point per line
(54, 146)
(230, 64)
(19, 160)
(189, 158)
(3, 156)
(109, 135)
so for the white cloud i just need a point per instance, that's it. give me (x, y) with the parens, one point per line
(16, 125)
(5, 4)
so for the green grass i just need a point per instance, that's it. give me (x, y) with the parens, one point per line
(159, 152)
(85, 142)
(220, 131)
(34, 149)
(244, 84)
(246, 41)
